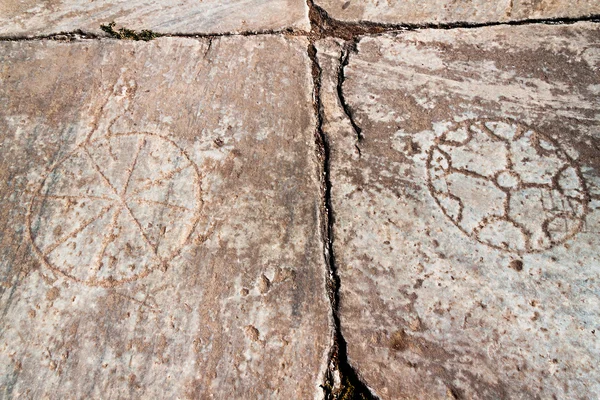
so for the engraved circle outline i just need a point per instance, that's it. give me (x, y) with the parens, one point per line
(107, 282)
(521, 128)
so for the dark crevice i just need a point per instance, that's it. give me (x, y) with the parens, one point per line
(265, 32)
(322, 25)
(348, 48)
(464, 24)
(262, 32)
(341, 381)
(350, 387)
(129, 34)
(61, 36)
(124, 33)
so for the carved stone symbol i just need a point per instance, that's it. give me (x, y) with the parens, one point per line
(507, 186)
(115, 209)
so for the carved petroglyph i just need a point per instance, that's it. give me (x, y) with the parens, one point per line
(508, 186)
(115, 209)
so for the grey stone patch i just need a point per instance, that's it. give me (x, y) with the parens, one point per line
(467, 217)
(30, 18)
(451, 11)
(160, 220)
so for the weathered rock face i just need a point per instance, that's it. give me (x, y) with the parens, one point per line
(467, 216)
(448, 11)
(160, 220)
(29, 17)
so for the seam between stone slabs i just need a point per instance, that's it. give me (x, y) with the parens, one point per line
(322, 156)
(348, 48)
(327, 27)
(80, 34)
(350, 385)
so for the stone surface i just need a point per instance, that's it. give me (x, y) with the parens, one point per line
(27, 18)
(160, 233)
(467, 218)
(449, 11)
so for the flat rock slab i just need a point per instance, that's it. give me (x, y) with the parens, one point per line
(160, 233)
(452, 11)
(30, 18)
(467, 216)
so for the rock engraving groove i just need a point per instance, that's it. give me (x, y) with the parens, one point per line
(115, 209)
(507, 185)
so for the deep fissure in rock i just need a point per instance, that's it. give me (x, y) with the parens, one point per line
(322, 25)
(348, 48)
(341, 381)
(350, 386)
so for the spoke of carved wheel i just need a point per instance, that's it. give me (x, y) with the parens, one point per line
(138, 200)
(507, 199)
(107, 238)
(141, 143)
(97, 168)
(467, 172)
(75, 232)
(535, 185)
(139, 226)
(160, 179)
(493, 134)
(69, 197)
(509, 161)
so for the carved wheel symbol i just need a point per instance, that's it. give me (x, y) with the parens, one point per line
(507, 186)
(115, 209)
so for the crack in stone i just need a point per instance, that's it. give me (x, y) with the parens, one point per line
(348, 48)
(80, 34)
(60, 36)
(322, 148)
(322, 26)
(340, 381)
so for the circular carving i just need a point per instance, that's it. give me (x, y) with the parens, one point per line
(507, 185)
(115, 208)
